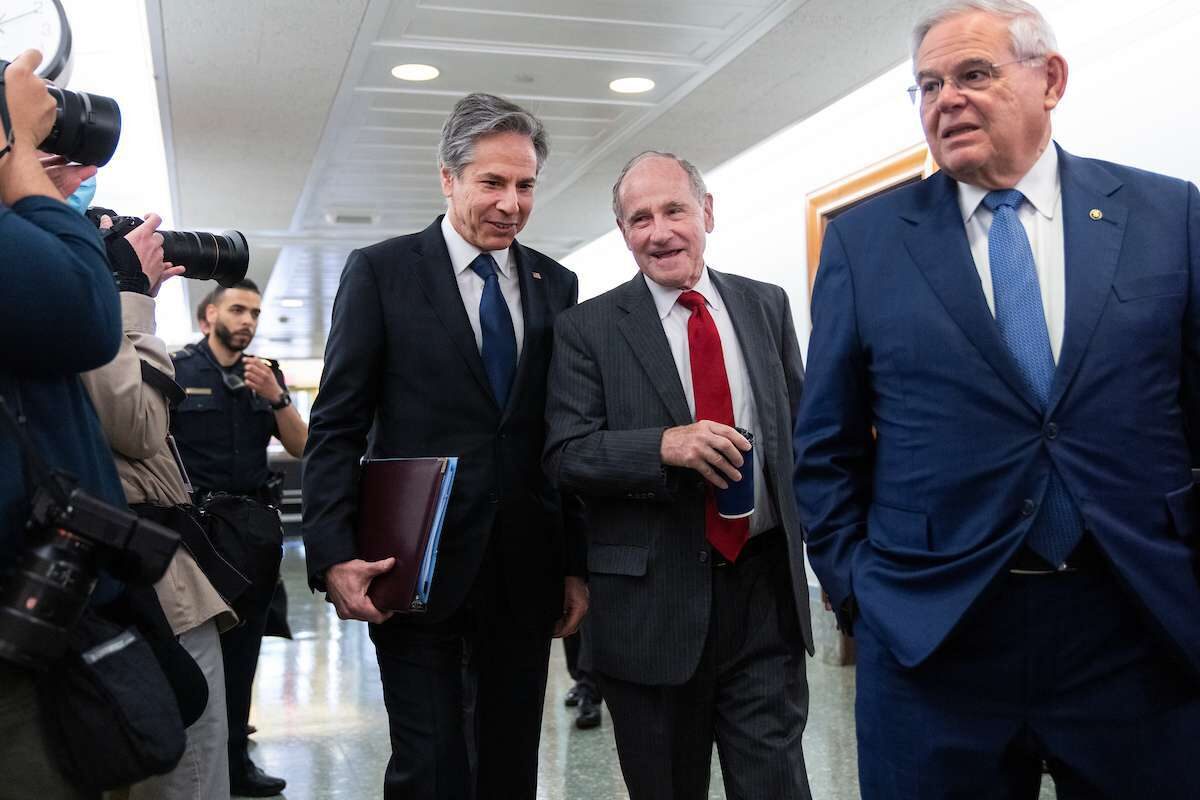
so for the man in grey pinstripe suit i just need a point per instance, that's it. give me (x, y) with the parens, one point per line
(698, 626)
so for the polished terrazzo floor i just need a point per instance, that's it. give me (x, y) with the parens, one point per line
(322, 726)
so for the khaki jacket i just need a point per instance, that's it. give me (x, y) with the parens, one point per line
(135, 420)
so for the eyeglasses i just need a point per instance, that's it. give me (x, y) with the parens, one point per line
(973, 76)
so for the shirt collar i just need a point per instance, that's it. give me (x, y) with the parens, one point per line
(208, 354)
(665, 296)
(462, 252)
(1041, 187)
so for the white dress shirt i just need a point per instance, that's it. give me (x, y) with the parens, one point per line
(1041, 217)
(470, 285)
(745, 413)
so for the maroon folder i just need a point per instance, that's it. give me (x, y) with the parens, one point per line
(399, 500)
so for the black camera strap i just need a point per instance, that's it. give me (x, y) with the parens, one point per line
(40, 474)
(9, 136)
(164, 383)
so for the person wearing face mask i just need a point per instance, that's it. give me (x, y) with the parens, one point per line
(58, 294)
(233, 405)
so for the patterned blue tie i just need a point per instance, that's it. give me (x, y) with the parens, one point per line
(499, 342)
(1058, 527)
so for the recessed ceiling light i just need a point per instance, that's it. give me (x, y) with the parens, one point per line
(415, 72)
(292, 302)
(631, 85)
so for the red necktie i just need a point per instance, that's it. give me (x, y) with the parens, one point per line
(710, 388)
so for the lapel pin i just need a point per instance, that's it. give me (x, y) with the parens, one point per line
(1096, 213)
(537, 275)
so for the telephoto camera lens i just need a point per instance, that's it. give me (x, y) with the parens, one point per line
(86, 129)
(221, 257)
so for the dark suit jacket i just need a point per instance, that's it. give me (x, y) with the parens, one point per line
(916, 524)
(614, 389)
(402, 363)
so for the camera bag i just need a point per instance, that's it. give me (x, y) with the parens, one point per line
(110, 709)
(248, 534)
(138, 607)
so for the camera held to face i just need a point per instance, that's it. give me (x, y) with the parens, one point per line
(221, 257)
(87, 127)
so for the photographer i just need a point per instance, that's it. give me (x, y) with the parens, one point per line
(132, 395)
(61, 317)
(235, 403)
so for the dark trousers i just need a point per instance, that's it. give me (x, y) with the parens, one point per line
(571, 646)
(1057, 668)
(464, 700)
(749, 694)
(27, 765)
(239, 652)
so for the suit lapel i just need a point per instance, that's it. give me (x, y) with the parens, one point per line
(534, 309)
(938, 244)
(643, 329)
(434, 274)
(1092, 250)
(750, 323)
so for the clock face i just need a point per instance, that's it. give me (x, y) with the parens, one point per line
(38, 25)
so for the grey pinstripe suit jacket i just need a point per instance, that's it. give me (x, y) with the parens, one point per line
(613, 389)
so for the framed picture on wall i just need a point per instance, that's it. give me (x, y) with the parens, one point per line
(908, 166)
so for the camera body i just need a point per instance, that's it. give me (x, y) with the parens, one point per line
(221, 257)
(68, 543)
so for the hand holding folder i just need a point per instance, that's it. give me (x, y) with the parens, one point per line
(401, 507)
(346, 589)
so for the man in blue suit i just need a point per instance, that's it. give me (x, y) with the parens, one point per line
(995, 441)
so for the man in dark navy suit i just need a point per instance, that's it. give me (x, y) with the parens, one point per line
(439, 346)
(995, 442)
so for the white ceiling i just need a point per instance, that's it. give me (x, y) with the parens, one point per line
(280, 116)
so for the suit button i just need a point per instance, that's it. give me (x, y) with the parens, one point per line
(649, 495)
(1027, 508)
(1051, 430)
(703, 556)
(493, 497)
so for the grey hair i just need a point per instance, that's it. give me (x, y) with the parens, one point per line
(695, 179)
(1031, 36)
(478, 115)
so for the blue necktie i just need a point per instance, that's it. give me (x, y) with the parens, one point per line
(499, 342)
(1058, 527)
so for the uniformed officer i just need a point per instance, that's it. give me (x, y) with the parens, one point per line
(234, 405)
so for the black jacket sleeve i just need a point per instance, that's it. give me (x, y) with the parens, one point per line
(62, 313)
(341, 417)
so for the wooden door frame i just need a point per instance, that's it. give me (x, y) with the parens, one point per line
(822, 204)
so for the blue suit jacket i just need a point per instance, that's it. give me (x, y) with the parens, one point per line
(915, 524)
